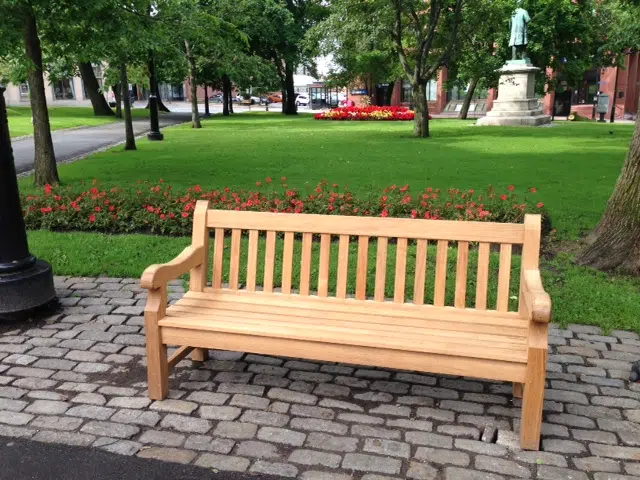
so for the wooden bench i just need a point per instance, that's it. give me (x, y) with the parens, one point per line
(368, 329)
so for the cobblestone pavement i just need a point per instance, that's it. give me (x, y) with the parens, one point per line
(78, 378)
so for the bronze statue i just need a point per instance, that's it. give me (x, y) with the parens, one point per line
(518, 41)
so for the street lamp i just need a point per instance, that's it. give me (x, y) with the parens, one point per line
(25, 282)
(154, 134)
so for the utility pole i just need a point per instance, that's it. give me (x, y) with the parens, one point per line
(26, 283)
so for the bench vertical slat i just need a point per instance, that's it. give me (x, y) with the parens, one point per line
(325, 257)
(200, 237)
(305, 265)
(401, 270)
(482, 280)
(343, 266)
(362, 267)
(218, 257)
(287, 262)
(461, 275)
(269, 261)
(234, 267)
(421, 272)
(381, 269)
(441, 273)
(504, 274)
(252, 260)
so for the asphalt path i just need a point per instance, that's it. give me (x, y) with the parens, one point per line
(29, 460)
(74, 143)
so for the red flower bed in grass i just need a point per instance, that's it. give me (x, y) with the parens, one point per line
(157, 208)
(367, 113)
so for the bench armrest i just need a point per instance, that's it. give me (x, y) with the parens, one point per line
(537, 301)
(156, 276)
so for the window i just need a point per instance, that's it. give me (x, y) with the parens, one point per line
(24, 91)
(431, 91)
(586, 91)
(63, 89)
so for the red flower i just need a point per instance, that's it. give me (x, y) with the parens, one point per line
(185, 214)
(512, 188)
(98, 209)
(172, 215)
(198, 189)
(284, 179)
(533, 190)
(57, 198)
(258, 184)
(540, 205)
(414, 213)
(47, 189)
(385, 213)
(112, 208)
(162, 216)
(503, 197)
(92, 218)
(46, 210)
(269, 179)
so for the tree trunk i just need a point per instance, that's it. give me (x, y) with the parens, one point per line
(230, 99)
(118, 99)
(46, 170)
(289, 106)
(91, 85)
(207, 112)
(225, 95)
(389, 93)
(195, 114)
(615, 243)
(467, 99)
(421, 109)
(126, 99)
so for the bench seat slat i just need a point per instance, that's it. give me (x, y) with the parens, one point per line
(321, 330)
(428, 331)
(364, 307)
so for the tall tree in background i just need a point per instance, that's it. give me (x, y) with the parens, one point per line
(615, 242)
(20, 23)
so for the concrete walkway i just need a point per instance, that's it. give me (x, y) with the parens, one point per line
(73, 143)
(78, 378)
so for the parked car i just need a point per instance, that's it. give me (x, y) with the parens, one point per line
(275, 98)
(302, 99)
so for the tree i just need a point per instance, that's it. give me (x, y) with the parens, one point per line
(93, 89)
(21, 18)
(615, 242)
(426, 39)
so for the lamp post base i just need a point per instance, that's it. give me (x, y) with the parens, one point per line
(24, 290)
(155, 136)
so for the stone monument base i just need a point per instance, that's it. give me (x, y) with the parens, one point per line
(516, 104)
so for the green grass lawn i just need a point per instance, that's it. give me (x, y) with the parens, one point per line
(60, 117)
(573, 165)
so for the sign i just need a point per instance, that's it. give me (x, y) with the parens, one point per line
(359, 91)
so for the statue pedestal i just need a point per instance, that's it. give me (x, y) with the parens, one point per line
(516, 104)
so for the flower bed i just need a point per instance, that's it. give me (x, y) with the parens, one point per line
(367, 113)
(157, 208)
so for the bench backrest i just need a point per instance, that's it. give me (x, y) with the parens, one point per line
(272, 236)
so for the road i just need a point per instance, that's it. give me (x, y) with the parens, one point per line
(76, 142)
(29, 460)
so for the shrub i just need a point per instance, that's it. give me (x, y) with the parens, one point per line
(157, 208)
(367, 113)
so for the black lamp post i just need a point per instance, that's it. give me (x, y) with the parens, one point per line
(154, 134)
(25, 282)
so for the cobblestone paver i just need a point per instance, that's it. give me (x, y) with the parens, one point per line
(79, 378)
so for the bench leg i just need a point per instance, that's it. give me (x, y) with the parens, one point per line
(157, 361)
(200, 355)
(517, 389)
(533, 394)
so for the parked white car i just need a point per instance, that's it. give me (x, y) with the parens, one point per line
(302, 99)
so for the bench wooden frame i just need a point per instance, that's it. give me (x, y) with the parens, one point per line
(494, 344)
